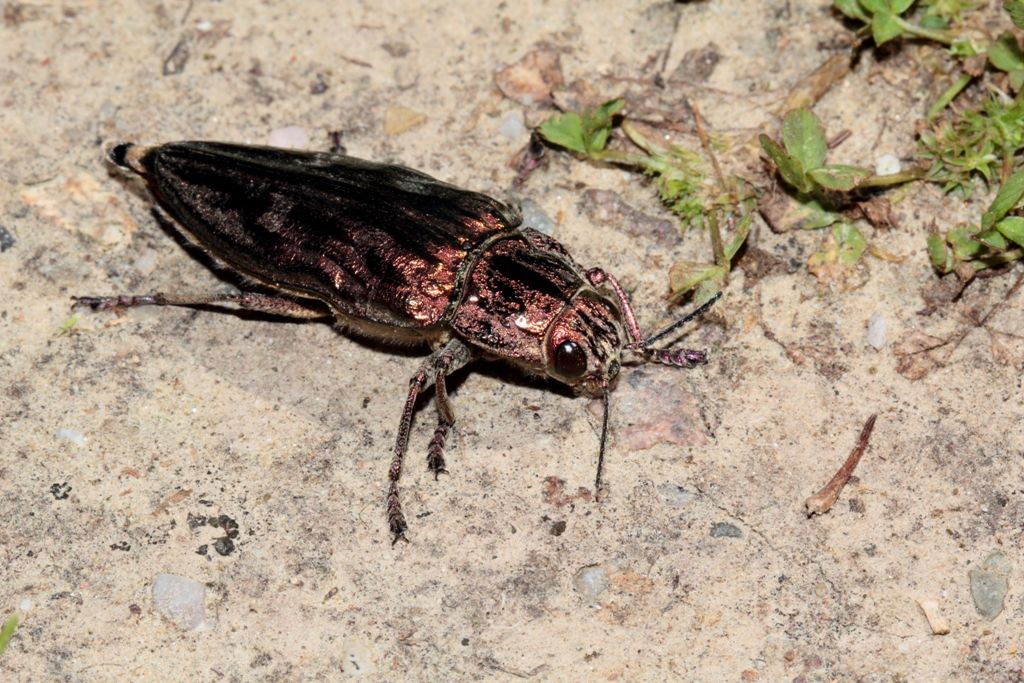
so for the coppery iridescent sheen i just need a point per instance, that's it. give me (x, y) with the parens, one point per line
(388, 246)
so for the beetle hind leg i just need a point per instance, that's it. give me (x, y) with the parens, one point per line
(249, 301)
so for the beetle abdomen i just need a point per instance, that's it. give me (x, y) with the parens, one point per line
(380, 243)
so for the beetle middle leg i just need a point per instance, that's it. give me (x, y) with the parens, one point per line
(250, 301)
(434, 370)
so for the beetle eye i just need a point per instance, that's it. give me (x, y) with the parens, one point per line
(570, 360)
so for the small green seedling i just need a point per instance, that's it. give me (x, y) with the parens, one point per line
(998, 240)
(7, 632)
(680, 181)
(886, 22)
(801, 158)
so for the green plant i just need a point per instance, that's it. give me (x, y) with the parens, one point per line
(996, 241)
(886, 21)
(7, 631)
(983, 142)
(680, 181)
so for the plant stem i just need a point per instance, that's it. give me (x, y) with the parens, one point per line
(892, 178)
(944, 37)
(948, 94)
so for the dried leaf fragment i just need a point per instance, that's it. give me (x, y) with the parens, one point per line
(399, 119)
(531, 79)
(918, 354)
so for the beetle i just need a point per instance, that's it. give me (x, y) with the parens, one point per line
(394, 254)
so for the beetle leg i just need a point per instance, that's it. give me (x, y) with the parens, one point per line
(598, 277)
(445, 420)
(250, 301)
(440, 364)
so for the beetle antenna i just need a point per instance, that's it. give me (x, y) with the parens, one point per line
(604, 440)
(672, 327)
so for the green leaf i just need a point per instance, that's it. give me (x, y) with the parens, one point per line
(582, 134)
(7, 631)
(1007, 198)
(789, 168)
(1016, 10)
(900, 6)
(598, 125)
(804, 138)
(685, 275)
(851, 243)
(884, 27)
(1012, 229)
(993, 239)
(852, 9)
(965, 247)
(742, 230)
(838, 176)
(875, 6)
(1005, 54)
(963, 48)
(565, 130)
(941, 259)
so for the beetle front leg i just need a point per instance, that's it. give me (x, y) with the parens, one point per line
(250, 301)
(439, 365)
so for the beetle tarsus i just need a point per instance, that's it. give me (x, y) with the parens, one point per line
(678, 358)
(396, 520)
(445, 420)
(108, 303)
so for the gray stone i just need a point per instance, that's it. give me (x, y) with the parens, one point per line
(990, 583)
(725, 530)
(180, 600)
(674, 495)
(591, 581)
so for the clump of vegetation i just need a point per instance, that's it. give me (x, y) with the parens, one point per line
(680, 180)
(973, 135)
(996, 241)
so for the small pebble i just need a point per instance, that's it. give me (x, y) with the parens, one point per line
(990, 583)
(357, 658)
(877, 328)
(180, 600)
(512, 126)
(725, 530)
(6, 239)
(590, 582)
(535, 217)
(146, 263)
(71, 435)
(291, 137)
(887, 164)
(938, 623)
(674, 495)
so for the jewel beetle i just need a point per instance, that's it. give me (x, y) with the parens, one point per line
(394, 254)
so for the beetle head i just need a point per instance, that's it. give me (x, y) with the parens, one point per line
(583, 344)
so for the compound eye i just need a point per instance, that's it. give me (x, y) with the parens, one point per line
(570, 361)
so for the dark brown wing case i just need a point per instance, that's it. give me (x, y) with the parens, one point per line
(381, 243)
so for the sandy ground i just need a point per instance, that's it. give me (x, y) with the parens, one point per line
(125, 439)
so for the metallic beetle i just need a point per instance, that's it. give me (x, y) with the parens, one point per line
(394, 254)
